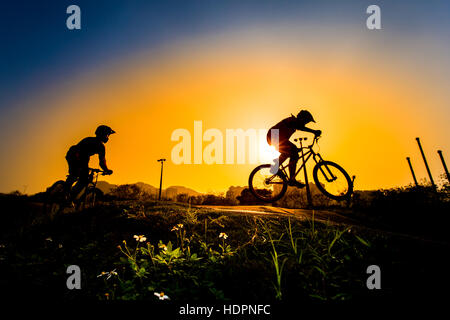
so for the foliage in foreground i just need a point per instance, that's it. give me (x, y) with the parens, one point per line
(267, 259)
(129, 250)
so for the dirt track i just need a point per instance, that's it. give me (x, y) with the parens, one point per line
(319, 215)
(303, 214)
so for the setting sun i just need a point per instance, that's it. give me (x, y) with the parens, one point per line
(368, 100)
(178, 153)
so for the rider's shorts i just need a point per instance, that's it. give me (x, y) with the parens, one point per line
(285, 147)
(78, 167)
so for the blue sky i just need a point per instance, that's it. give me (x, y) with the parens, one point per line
(38, 50)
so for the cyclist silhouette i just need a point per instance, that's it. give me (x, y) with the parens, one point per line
(285, 129)
(78, 159)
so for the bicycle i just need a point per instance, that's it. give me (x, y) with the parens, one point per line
(330, 178)
(58, 199)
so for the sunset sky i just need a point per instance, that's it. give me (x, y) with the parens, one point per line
(147, 68)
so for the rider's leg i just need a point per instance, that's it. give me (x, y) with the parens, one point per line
(289, 150)
(277, 162)
(292, 167)
(74, 172)
(282, 158)
(69, 182)
(293, 159)
(282, 146)
(82, 182)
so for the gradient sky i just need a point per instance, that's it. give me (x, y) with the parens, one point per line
(149, 67)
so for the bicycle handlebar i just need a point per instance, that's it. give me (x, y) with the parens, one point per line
(316, 138)
(304, 139)
(98, 171)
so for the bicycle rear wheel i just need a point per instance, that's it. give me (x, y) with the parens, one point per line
(267, 186)
(332, 180)
(54, 198)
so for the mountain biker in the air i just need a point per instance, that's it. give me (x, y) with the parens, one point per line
(286, 129)
(78, 159)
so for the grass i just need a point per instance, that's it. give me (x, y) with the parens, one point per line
(130, 250)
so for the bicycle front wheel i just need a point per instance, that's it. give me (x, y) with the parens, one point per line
(90, 198)
(332, 180)
(267, 186)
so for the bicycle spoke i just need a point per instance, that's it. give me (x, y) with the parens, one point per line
(266, 185)
(332, 180)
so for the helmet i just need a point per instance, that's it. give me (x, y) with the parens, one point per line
(103, 131)
(305, 116)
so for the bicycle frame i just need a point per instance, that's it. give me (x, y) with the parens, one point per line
(305, 156)
(93, 178)
(92, 183)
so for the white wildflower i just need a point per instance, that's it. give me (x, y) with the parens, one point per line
(161, 296)
(140, 238)
(223, 235)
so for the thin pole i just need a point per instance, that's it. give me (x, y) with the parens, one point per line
(426, 163)
(308, 191)
(444, 165)
(412, 170)
(160, 180)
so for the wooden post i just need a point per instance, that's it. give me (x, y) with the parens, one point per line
(308, 191)
(160, 181)
(426, 163)
(412, 171)
(444, 165)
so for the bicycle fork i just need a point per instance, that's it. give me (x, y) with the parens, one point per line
(330, 177)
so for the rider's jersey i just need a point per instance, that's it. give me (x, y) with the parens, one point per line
(286, 128)
(85, 149)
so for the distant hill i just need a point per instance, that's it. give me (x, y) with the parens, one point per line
(147, 188)
(174, 190)
(234, 191)
(106, 187)
(169, 192)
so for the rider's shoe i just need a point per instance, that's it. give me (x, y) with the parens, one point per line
(295, 183)
(274, 166)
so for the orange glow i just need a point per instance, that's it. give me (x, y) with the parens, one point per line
(369, 114)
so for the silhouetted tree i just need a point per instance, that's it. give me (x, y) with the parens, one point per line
(232, 194)
(127, 191)
(183, 197)
(247, 197)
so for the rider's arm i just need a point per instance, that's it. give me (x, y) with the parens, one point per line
(316, 132)
(102, 159)
(103, 165)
